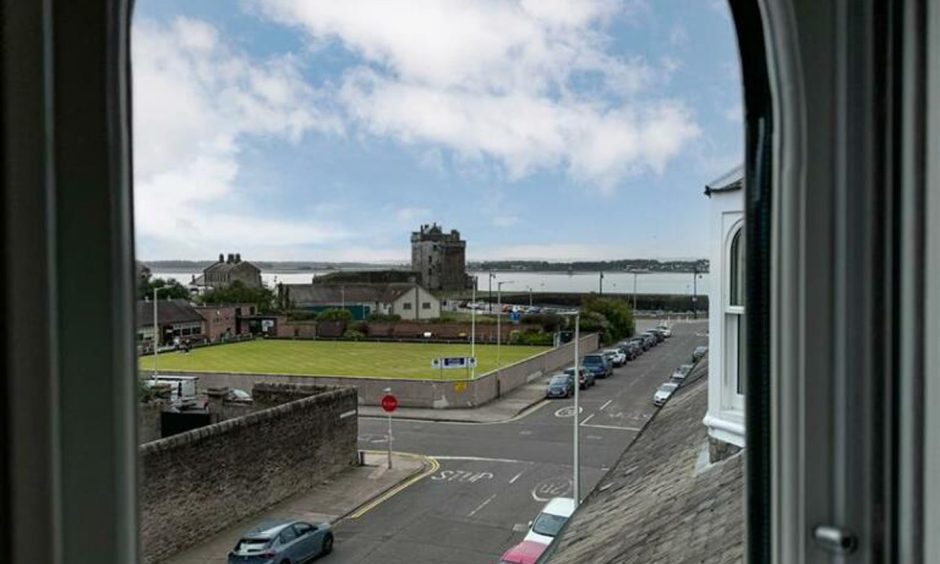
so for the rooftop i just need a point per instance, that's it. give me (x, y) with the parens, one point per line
(348, 293)
(728, 182)
(168, 311)
(663, 502)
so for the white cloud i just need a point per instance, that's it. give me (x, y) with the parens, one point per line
(553, 252)
(196, 102)
(495, 79)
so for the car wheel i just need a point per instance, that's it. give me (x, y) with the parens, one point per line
(327, 545)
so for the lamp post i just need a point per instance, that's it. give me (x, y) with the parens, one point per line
(156, 331)
(530, 296)
(576, 445)
(389, 414)
(695, 276)
(473, 330)
(600, 284)
(499, 314)
(489, 302)
(634, 273)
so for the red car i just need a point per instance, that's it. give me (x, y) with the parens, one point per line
(526, 552)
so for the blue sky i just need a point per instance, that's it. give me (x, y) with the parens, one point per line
(541, 129)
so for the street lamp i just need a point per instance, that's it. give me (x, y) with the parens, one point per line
(530, 296)
(634, 273)
(577, 408)
(489, 302)
(499, 314)
(388, 391)
(156, 330)
(473, 329)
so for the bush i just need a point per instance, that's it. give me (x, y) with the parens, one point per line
(384, 317)
(617, 313)
(550, 322)
(334, 315)
(532, 338)
(353, 334)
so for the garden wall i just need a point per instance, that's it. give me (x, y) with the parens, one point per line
(423, 393)
(202, 481)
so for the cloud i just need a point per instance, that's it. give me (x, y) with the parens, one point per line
(197, 102)
(552, 252)
(526, 85)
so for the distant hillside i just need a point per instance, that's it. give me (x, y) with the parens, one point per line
(651, 265)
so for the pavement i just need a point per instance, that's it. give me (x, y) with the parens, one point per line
(493, 478)
(346, 495)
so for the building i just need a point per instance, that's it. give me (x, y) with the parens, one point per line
(229, 269)
(175, 318)
(226, 321)
(408, 300)
(439, 259)
(725, 418)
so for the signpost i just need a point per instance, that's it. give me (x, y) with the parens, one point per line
(453, 362)
(389, 404)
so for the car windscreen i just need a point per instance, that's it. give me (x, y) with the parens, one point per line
(559, 380)
(593, 360)
(246, 547)
(548, 524)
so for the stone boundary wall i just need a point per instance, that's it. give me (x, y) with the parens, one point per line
(202, 481)
(435, 394)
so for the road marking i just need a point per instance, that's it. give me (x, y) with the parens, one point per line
(482, 505)
(370, 505)
(558, 486)
(606, 404)
(483, 459)
(594, 437)
(346, 414)
(526, 432)
(568, 411)
(634, 429)
(516, 477)
(462, 476)
(586, 419)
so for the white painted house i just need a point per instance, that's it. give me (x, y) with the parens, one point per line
(725, 417)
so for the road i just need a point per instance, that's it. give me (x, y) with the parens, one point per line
(494, 478)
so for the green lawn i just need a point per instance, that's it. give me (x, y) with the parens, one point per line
(335, 358)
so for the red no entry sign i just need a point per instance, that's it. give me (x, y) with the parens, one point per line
(389, 403)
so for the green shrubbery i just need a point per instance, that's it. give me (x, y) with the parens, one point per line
(335, 315)
(384, 317)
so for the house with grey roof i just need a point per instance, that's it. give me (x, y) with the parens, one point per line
(406, 299)
(228, 269)
(175, 318)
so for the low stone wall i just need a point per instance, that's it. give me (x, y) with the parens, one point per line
(202, 481)
(423, 393)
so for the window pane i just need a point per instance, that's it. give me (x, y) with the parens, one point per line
(736, 297)
(741, 354)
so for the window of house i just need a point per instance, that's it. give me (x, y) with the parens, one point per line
(426, 305)
(406, 305)
(734, 356)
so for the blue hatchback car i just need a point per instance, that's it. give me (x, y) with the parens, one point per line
(282, 542)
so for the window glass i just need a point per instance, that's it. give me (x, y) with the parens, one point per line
(407, 305)
(548, 524)
(287, 535)
(426, 305)
(302, 529)
(736, 262)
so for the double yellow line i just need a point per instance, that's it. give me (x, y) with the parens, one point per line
(432, 466)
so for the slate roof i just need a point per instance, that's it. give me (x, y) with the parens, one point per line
(168, 311)
(729, 181)
(325, 294)
(661, 503)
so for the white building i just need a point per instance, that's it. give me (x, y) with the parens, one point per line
(408, 300)
(725, 418)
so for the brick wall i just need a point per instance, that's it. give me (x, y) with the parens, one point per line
(486, 333)
(200, 482)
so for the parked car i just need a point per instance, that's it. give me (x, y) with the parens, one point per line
(598, 364)
(680, 373)
(282, 541)
(640, 343)
(663, 393)
(628, 349)
(585, 379)
(550, 521)
(656, 335)
(699, 353)
(526, 552)
(560, 386)
(685, 368)
(667, 332)
(616, 357)
(649, 341)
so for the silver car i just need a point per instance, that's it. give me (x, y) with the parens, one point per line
(280, 542)
(663, 393)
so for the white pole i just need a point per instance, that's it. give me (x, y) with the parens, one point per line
(156, 332)
(473, 329)
(389, 413)
(499, 314)
(577, 412)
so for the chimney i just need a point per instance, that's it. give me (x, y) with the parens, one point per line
(221, 257)
(230, 258)
(238, 257)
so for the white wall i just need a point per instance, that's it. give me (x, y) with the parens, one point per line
(424, 296)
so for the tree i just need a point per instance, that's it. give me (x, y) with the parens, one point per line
(335, 315)
(170, 289)
(616, 311)
(238, 293)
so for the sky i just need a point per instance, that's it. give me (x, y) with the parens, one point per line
(318, 130)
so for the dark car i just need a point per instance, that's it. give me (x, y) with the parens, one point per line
(628, 350)
(560, 386)
(282, 541)
(598, 364)
(656, 335)
(586, 377)
(640, 343)
(649, 341)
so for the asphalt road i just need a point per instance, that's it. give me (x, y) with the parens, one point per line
(494, 478)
